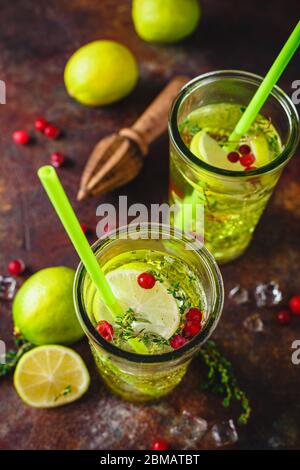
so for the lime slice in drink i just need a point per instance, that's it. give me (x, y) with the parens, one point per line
(207, 149)
(259, 148)
(49, 376)
(155, 306)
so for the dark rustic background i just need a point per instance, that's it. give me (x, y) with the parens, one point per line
(36, 39)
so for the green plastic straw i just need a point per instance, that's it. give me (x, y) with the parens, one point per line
(65, 212)
(267, 85)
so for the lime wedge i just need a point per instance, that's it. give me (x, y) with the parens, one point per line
(207, 149)
(155, 306)
(50, 376)
(259, 148)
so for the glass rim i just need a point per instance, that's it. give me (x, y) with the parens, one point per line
(197, 341)
(277, 93)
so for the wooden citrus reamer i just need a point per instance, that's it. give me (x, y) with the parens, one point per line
(119, 157)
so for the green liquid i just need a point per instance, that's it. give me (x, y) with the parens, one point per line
(232, 206)
(140, 382)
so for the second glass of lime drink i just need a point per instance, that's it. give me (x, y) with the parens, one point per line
(233, 186)
(171, 292)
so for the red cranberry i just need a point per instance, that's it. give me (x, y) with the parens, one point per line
(51, 131)
(248, 168)
(244, 149)
(105, 330)
(233, 157)
(283, 317)
(160, 444)
(177, 341)
(192, 328)
(21, 137)
(40, 124)
(194, 315)
(146, 280)
(16, 267)
(294, 305)
(247, 160)
(84, 228)
(57, 159)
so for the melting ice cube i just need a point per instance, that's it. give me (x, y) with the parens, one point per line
(8, 286)
(239, 295)
(254, 323)
(186, 430)
(224, 433)
(268, 295)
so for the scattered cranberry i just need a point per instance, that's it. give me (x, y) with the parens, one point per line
(105, 330)
(294, 305)
(57, 159)
(192, 328)
(283, 317)
(177, 341)
(194, 315)
(21, 137)
(247, 159)
(40, 124)
(16, 267)
(244, 149)
(146, 280)
(233, 157)
(248, 168)
(51, 131)
(160, 444)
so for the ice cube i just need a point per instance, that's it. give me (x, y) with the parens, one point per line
(8, 286)
(239, 295)
(224, 433)
(268, 295)
(186, 430)
(254, 323)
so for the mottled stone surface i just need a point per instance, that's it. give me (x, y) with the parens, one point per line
(36, 38)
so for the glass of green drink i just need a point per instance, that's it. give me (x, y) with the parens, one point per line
(233, 184)
(171, 294)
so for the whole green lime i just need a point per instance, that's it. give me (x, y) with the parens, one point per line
(43, 309)
(165, 20)
(100, 73)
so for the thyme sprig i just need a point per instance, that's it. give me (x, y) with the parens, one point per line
(221, 379)
(13, 356)
(179, 295)
(66, 391)
(124, 330)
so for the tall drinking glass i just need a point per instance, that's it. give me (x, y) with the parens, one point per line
(233, 200)
(141, 377)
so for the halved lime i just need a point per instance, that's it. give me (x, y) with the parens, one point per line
(50, 376)
(156, 306)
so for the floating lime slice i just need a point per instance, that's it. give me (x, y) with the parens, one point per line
(259, 148)
(156, 306)
(207, 149)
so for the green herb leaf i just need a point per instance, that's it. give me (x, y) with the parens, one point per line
(221, 379)
(12, 357)
(66, 391)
